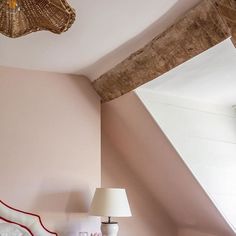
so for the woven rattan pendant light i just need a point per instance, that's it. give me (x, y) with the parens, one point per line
(21, 17)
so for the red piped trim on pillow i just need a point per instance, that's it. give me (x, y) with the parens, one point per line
(24, 227)
(39, 218)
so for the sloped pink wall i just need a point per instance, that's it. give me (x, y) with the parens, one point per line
(149, 217)
(164, 194)
(49, 136)
(191, 232)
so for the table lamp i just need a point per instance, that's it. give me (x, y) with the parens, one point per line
(110, 202)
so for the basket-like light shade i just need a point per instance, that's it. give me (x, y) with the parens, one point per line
(21, 17)
(111, 202)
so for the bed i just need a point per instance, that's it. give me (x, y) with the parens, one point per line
(14, 222)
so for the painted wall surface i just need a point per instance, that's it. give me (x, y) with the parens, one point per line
(49, 136)
(205, 137)
(163, 193)
(191, 232)
(148, 215)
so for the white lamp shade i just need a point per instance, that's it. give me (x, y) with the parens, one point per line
(111, 202)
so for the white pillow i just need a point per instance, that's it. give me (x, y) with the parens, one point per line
(11, 229)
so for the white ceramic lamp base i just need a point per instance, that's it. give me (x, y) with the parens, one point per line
(109, 229)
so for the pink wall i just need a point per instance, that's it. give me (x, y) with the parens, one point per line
(164, 194)
(149, 217)
(191, 232)
(49, 136)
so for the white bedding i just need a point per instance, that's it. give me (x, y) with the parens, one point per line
(14, 222)
(11, 229)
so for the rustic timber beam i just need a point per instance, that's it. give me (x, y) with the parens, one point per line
(204, 26)
(227, 9)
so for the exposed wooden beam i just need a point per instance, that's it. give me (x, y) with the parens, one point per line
(227, 9)
(206, 25)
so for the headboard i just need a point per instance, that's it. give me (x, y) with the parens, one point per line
(20, 223)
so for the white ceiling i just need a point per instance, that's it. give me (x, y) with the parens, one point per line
(105, 32)
(209, 77)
